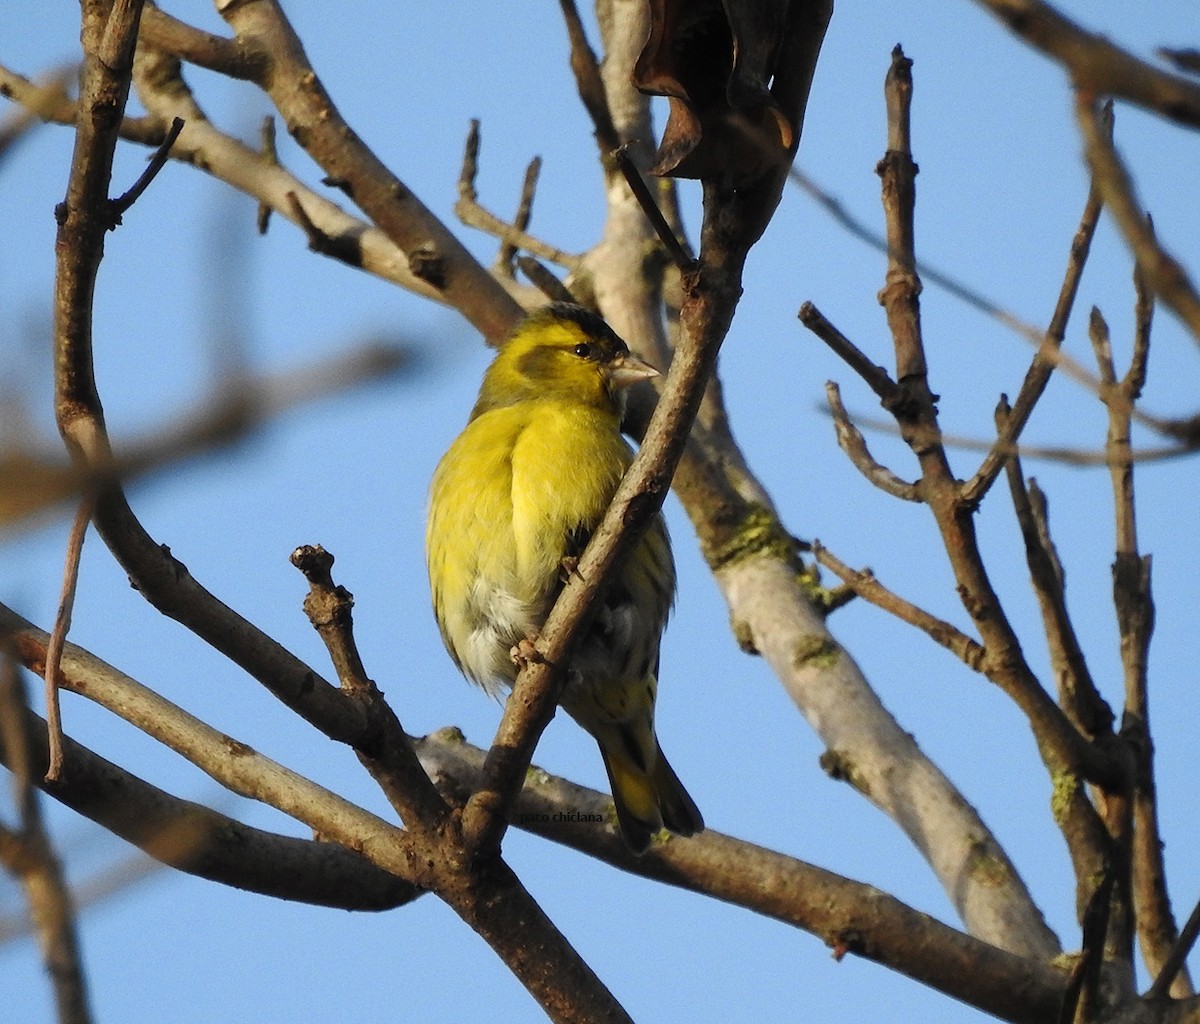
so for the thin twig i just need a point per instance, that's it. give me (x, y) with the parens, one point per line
(1086, 839)
(1078, 695)
(679, 255)
(851, 441)
(62, 625)
(866, 586)
(1143, 321)
(1081, 457)
(118, 207)
(1134, 603)
(1164, 274)
(916, 413)
(1176, 958)
(544, 280)
(588, 80)
(469, 210)
(1040, 370)
(875, 375)
(508, 251)
(1186, 429)
(931, 274)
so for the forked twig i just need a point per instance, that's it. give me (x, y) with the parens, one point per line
(469, 210)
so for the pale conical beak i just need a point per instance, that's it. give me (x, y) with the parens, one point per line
(628, 369)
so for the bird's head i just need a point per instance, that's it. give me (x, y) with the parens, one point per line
(563, 351)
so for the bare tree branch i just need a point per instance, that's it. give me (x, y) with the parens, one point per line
(486, 894)
(1134, 603)
(161, 578)
(1061, 746)
(1040, 370)
(231, 762)
(193, 838)
(589, 81)
(1173, 964)
(27, 853)
(451, 841)
(32, 481)
(507, 254)
(753, 559)
(1048, 356)
(1095, 64)
(851, 441)
(434, 254)
(1165, 276)
(848, 916)
(471, 213)
(679, 256)
(62, 625)
(866, 586)
(389, 757)
(1084, 458)
(876, 376)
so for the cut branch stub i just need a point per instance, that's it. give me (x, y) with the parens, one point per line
(721, 63)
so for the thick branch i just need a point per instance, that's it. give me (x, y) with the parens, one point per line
(847, 915)
(488, 896)
(162, 579)
(200, 841)
(232, 763)
(163, 92)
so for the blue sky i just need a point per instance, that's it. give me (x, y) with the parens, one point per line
(1000, 190)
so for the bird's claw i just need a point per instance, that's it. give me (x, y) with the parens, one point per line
(525, 652)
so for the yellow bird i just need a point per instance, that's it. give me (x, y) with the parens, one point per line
(515, 499)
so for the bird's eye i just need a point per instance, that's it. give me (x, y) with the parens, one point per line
(583, 350)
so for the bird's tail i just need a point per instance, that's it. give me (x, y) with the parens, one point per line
(647, 797)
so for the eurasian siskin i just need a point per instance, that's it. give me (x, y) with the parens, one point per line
(516, 498)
